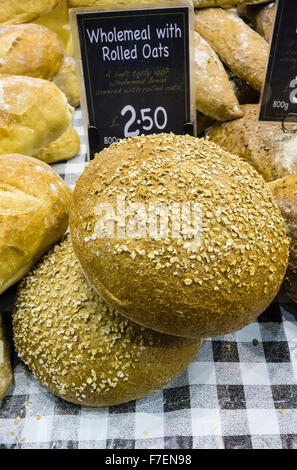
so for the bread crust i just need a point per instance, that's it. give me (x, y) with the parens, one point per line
(243, 50)
(23, 11)
(221, 103)
(265, 146)
(162, 283)
(64, 148)
(101, 358)
(30, 50)
(33, 112)
(284, 192)
(34, 207)
(66, 80)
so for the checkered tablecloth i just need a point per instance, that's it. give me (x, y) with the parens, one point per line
(237, 392)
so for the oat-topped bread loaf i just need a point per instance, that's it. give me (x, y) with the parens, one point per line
(265, 146)
(34, 206)
(214, 259)
(31, 50)
(33, 112)
(23, 11)
(284, 193)
(82, 350)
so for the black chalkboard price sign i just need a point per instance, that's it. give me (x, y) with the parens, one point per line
(279, 98)
(135, 70)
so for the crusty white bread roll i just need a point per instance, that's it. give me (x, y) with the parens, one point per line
(31, 50)
(23, 11)
(5, 362)
(206, 273)
(221, 103)
(34, 205)
(64, 148)
(66, 80)
(101, 359)
(284, 192)
(33, 112)
(265, 146)
(243, 50)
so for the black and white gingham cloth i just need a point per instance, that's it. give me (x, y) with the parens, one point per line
(237, 393)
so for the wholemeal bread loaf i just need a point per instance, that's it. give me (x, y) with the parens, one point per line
(284, 193)
(5, 362)
(213, 262)
(210, 74)
(34, 205)
(66, 80)
(33, 112)
(31, 50)
(23, 11)
(243, 50)
(82, 350)
(265, 146)
(64, 148)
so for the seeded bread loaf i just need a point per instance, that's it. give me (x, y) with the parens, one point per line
(284, 193)
(64, 148)
(211, 274)
(5, 362)
(30, 50)
(214, 94)
(23, 11)
(265, 146)
(243, 50)
(33, 112)
(101, 358)
(34, 205)
(66, 80)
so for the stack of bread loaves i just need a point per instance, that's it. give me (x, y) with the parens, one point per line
(178, 287)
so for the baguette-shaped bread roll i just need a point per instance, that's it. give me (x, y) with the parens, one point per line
(65, 147)
(221, 103)
(265, 146)
(33, 112)
(261, 17)
(284, 191)
(243, 50)
(66, 80)
(34, 205)
(31, 50)
(5, 362)
(23, 11)
(224, 3)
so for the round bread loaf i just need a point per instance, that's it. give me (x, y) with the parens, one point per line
(284, 193)
(34, 206)
(33, 112)
(31, 50)
(66, 80)
(215, 259)
(265, 146)
(23, 11)
(82, 350)
(64, 148)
